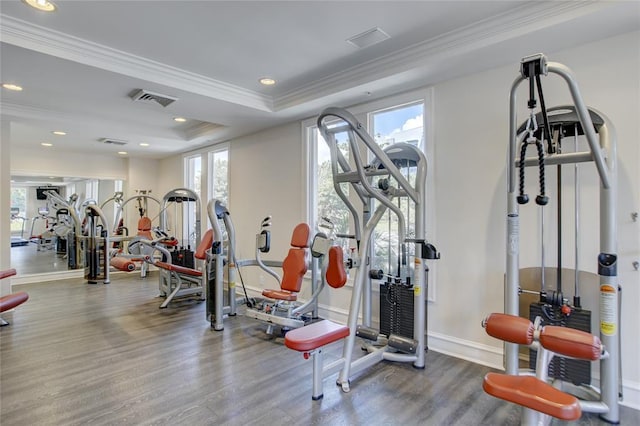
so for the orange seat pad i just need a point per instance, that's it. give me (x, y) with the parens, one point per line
(7, 273)
(122, 264)
(533, 393)
(315, 335)
(179, 269)
(10, 301)
(280, 295)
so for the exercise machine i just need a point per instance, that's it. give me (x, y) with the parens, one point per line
(184, 204)
(548, 127)
(280, 307)
(68, 226)
(177, 281)
(186, 217)
(18, 241)
(377, 184)
(96, 245)
(127, 254)
(221, 301)
(47, 238)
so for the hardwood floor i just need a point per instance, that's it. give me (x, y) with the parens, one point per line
(28, 260)
(80, 354)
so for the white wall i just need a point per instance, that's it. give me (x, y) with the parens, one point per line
(265, 178)
(47, 162)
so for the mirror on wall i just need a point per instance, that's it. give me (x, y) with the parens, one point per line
(38, 228)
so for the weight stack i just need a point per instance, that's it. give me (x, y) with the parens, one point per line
(575, 371)
(396, 310)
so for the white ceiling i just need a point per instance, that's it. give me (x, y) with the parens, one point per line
(79, 64)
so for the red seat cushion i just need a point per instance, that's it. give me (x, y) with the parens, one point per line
(7, 273)
(122, 264)
(300, 236)
(293, 269)
(179, 269)
(533, 393)
(315, 335)
(336, 275)
(280, 295)
(10, 301)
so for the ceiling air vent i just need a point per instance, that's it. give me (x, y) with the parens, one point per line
(110, 141)
(368, 38)
(143, 95)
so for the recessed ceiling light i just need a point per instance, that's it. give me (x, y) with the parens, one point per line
(46, 144)
(59, 132)
(144, 144)
(122, 152)
(13, 87)
(44, 5)
(267, 81)
(179, 119)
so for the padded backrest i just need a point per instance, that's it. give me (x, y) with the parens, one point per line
(300, 236)
(295, 264)
(144, 228)
(205, 244)
(293, 269)
(7, 273)
(336, 275)
(144, 224)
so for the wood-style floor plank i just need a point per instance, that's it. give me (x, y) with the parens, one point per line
(80, 354)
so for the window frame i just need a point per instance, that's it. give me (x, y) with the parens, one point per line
(364, 113)
(216, 149)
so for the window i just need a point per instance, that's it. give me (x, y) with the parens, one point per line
(389, 126)
(192, 172)
(389, 121)
(325, 202)
(192, 181)
(91, 190)
(219, 174)
(18, 210)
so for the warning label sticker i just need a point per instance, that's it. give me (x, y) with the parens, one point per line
(608, 309)
(417, 290)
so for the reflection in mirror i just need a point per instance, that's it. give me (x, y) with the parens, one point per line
(40, 226)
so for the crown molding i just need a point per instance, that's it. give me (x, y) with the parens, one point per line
(414, 60)
(55, 43)
(528, 18)
(197, 132)
(9, 109)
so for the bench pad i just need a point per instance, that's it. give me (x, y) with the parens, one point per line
(178, 269)
(122, 264)
(10, 301)
(7, 273)
(533, 393)
(280, 295)
(315, 335)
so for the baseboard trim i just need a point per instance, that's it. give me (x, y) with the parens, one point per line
(47, 276)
